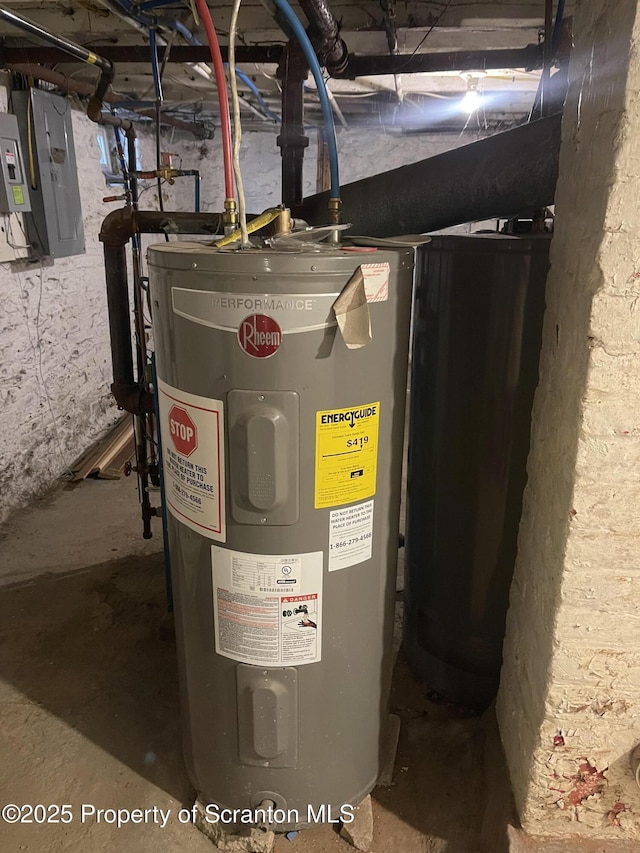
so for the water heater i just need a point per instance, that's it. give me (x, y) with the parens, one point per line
(282, 447)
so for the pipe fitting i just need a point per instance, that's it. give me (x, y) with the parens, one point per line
(133, 399)
(118, 227)
(335, 211)
(230, 215)
(283, 223)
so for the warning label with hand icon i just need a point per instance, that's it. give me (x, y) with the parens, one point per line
(300, 626)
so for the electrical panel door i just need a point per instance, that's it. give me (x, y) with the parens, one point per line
(55, 224)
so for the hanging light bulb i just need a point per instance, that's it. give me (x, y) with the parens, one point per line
(472, 98)
(471, 101)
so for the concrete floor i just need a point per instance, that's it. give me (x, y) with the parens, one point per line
(89, 708)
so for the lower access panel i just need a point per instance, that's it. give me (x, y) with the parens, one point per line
(268, 716)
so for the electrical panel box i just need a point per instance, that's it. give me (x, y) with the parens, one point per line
(14, 195)
(54, 226)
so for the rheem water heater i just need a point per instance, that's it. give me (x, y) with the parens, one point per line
(282, 450)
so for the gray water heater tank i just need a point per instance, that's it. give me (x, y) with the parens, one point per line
(282, 454)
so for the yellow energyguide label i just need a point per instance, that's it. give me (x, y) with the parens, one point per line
(346, 454)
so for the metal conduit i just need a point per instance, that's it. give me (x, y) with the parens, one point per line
(94, 109)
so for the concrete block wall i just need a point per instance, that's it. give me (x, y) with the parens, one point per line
(569, 702)
(55, 365)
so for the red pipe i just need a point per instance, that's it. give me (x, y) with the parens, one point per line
(221, 82)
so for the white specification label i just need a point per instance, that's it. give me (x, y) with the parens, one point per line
(267, 607)
(350, 535)
(193, 459)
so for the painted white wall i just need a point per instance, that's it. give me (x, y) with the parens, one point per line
(55, 364)
(362, 153)
(569, 702)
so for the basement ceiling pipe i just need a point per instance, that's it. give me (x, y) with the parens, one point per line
(529, 58)
(324, 32)
(137, 53)
(357, 66)
(94, 108)
(507, 174)
(79, 88)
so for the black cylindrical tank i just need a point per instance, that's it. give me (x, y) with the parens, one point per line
(477, 337)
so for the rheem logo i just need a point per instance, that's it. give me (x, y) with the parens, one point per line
(259, 335)
(182, 430)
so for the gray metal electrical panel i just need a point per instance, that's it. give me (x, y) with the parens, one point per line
(14, 196)
(54, 226)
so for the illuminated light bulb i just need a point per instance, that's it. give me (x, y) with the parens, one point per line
(471, 101)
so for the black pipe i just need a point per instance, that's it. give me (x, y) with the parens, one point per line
(292, 140)
(124, 387)
(324, 32)
(117, 229)
(502, 176)
(94, 108)
(529, 58)
(120, 225)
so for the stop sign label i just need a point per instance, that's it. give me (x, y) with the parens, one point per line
(183, 431)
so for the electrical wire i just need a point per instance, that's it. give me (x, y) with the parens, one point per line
(36, 348)
(327, 112)
(10, 239)
(218, 68)
(424, 38)
(237, 125)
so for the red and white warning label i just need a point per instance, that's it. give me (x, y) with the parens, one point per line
(267, 607)
(192, 432)
(376, 281)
